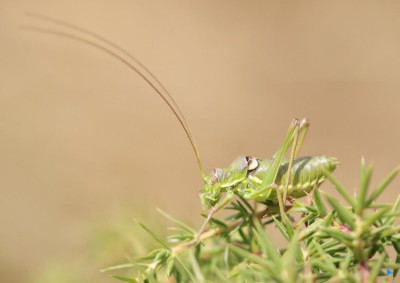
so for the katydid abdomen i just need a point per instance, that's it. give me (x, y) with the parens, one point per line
(306, 173)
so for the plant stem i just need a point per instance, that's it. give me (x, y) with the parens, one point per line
(215, 232)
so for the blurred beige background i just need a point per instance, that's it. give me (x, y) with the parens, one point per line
(81, 135)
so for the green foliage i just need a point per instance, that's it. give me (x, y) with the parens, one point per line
(350, 242)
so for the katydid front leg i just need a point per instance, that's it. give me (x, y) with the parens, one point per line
(213, 210)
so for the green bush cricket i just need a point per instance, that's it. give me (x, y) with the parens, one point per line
(248, 177)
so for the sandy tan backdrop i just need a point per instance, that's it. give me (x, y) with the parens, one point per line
(81, 134)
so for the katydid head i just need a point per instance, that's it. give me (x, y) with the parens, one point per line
(223, 179)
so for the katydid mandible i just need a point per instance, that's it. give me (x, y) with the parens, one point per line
(248, 177)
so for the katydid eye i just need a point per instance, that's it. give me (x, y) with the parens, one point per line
(252, 163)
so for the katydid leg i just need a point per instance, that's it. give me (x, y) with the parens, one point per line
(304, 124)
(298, 139)
(290, 165)
(268, 182)
(213, 210)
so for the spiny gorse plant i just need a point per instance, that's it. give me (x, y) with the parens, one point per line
(350, 242)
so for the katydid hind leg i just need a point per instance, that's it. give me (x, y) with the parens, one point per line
(268, 183)
(304, 124)
(290, 164)
(298, 139)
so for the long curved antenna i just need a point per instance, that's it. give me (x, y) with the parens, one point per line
(117, 47)
(159, 89)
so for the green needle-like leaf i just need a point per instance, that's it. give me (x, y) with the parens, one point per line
(311, 229)
(329, 219)
(266, 244)
(396, 243)
(119, 266)
(281, 228)
(330, 243)
(338, 235)
(289, 259)
(124, 279)
(376, 268)
(170, 267)
(311, 209)
(250, 256)
(396, 204)
(196, 267)
(155, 237)
(344, 214)
(365, 178)
(246, 203)
(374, 217)
(341, 190)
(382, 186)
(347, 260)
(186, 269)
(324, 259)
(396, 270)
(319, 203)
(176, 221)
(218, 223)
